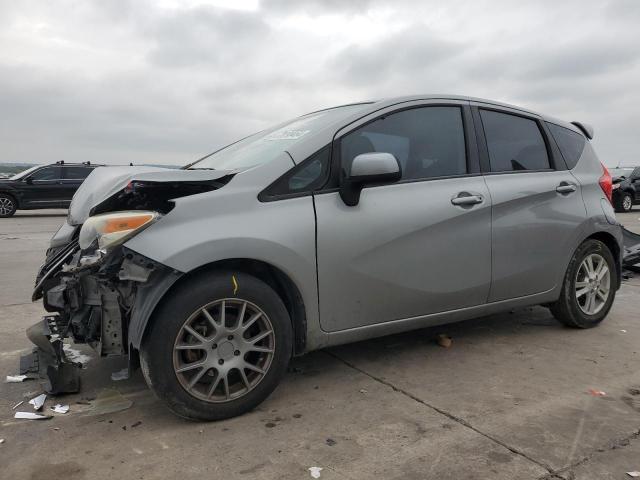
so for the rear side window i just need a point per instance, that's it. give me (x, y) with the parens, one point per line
(76, 173)
(427, 141)
(570, 143)
(515, 143)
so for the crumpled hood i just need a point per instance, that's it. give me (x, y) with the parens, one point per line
(104, 182)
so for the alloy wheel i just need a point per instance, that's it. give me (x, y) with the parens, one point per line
(593, 284)
(223, 350)
(626, 203)
(6, 206)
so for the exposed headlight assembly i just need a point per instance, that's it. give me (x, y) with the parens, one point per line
(111, 229)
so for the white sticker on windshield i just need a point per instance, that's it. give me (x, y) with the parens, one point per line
(284, 134)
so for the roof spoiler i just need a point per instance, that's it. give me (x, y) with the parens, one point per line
(585, 128)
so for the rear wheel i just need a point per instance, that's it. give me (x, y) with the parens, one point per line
(218, 346)
(8, 205)
(624, 203)
(589, 287)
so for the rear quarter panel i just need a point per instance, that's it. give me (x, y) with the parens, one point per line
(600, 214)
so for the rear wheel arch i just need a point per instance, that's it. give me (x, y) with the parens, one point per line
(612, 244)
(284, 287)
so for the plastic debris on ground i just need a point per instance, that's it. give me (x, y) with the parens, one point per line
(17, 405)
(38, 401)
(120, 375)
(108, 401)
(16, 378)
(597, 393)
(315, 472)
(633, 474)
(1, 441)
(32, 416)
(444, 340)
(76, 355)
(59, 408)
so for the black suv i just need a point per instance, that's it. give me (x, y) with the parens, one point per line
(626, 188)
(43, 186)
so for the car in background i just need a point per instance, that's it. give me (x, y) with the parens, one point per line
(42, 186)
(626, 188)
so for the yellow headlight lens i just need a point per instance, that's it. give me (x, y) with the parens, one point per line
(112, 229)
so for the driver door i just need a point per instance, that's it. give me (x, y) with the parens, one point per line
(410, 248)
(43, 188)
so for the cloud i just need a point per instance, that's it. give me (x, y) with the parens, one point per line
(169, 81)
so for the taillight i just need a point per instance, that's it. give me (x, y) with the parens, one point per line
(606, 183)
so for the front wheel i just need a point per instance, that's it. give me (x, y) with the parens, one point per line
(8, 205)
(218, 346)
(589, 287)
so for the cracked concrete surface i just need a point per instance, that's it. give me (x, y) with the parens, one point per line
(508, 400)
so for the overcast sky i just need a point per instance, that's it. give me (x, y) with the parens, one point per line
(167, 81)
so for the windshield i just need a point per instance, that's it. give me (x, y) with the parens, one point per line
(24, 173)
(264, 146)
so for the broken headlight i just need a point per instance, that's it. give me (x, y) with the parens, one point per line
(111, 229)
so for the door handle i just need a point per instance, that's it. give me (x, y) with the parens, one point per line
(464, 199)
(566, 187)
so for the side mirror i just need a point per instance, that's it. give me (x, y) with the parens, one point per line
(368, 168)
(28, 181)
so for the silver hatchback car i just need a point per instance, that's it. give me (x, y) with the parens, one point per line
(340, 225)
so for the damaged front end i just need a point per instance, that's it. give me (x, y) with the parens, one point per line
(92, 302)
(97, 290)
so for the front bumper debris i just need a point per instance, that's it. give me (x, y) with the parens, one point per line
(94, 297)
(48, 359)
(631, 256)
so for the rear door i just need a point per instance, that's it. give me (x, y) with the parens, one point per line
(411, 248)
(635, 181)
(72, 178)
(537, 207)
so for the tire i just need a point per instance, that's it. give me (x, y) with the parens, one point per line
(623, 203)
(8, 205)
(572, 308)
(170, 349)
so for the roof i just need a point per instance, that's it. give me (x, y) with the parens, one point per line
(409, 98)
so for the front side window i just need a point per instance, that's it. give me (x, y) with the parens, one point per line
(515, 143)
(570, 143)
(46, 173)
(305, 178)
(427, 141)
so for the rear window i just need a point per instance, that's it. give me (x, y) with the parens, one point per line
(515, 143)
(570, 143)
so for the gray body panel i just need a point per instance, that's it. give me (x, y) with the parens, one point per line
(104, 182)
(534, 231)
(403, 258)
(403, 251)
